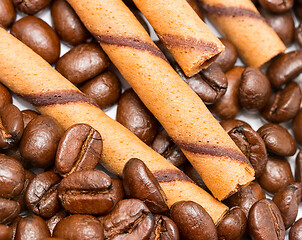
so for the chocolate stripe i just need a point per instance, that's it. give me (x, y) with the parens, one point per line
(171, 175)
(131, 42)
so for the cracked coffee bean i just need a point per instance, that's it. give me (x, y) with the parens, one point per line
(164, 229)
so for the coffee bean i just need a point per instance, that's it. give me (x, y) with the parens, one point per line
(9, 210)
(27, 116)
(196, 8)
(287, 200)
(6, 232)
(39, 36)
(133, 114)
(284, 104)
(80, 148)
(277, 174)
(191, 172)
(297, 127)
(277, 139)
(265, 221)
(230, 124)
(53, 221)
(140, 183)
(83, 62)
(295, 232)
(233, 225)
(298, 34)
(40, 141)
(134, 221)
(277, 6)
(165, 146)
(31, 7)
(105, 89)
(14, 152)
(7, 13)
(298, 171)
(5, 96)
(193, 221)
(227, 59)
(164, 229)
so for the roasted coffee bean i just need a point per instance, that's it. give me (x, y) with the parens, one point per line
(80, 148)
(5, 96)
(165, 146)
(14, 152)
(287, 200)
(133, 114)
(233, 225)
(193, 221)
(31, 7)
(32, 227)
(134, 222)
(195, 7)
(40, 141)
(277, 174)
(227, 59)
(246, 197)
(284, 104)
(254, 89)
(83, 62)
(298, 10)
(265, 221)
(39, 36)
(14, 225)
(105, 89)
(7, 13)
(53, 221)
(229, 125)
(285, 68)
(88, 192)
(41, 195)
(277, 139)
(6, 232)
(297, 127)
(140, 183)
(298, 171)
(9, 210)
(277, 6)
(164, 229)
(295, 233)
(27, 116)
(227, 107)
(191, 172)
(298, 34)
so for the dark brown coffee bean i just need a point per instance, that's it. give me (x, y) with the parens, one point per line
(191, 172)
(277, 6)
(227, 59)
(165, 146)
(52, 238)
(227, 107)
(39, 36)
(265, 221)
(297, 127)
(287, 200)
(9, 210)
(14, 152)
(195, 7)
(88, 192)
(277, 174)
(285, 68)
(83, 62)
(31, 7)
(233, 225)
(246, 197)
(80, 148)
(40, 141)
(298, 34)
(7, 13)
(298, 10)
(164, 229)
(298, 171)
(105, 89)
(5, 96)
(193, 222)
(133, 114)
(53, 221)
(135, 221)
(230, 124)
(140, 183)
(6, 232)
(254, 89)
(27, 116)
(295, 232)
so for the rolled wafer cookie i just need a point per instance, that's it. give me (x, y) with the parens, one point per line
(208, 147)
(31, 77)
(187, 37)
(241, 23)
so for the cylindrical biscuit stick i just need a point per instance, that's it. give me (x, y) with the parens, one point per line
(181, 112)
(187, 37)
(28, 75)
(242, 24)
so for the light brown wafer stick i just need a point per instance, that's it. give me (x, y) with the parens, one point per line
(181, 112)
(187, 37)
(242, 24)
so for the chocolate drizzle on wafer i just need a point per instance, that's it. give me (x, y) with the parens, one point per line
(170, 175)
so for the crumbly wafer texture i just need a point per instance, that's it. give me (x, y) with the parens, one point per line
(241, 23)
(181, 112)
(187, 37)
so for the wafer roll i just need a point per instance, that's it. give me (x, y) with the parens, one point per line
(241, 23)
(187, 37)
(181, 112)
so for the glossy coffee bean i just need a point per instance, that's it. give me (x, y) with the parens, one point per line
(285, 68)
(80, 148)
(165, 146)
(32, 227)
(233, 225)
(265, 221)
(191, 172)
(297, 127)
(298, 34)
(227, 59)
(277, 6)
(196, 8)
(133, 114)
(6, 232)
(164, 229)
(27, 116)
(53, 221)
(277, 139)
(40, 141)
(83, 62)
(287, 200)
(7, 13)
(140, 183)
(88, 192)
(193, 221)
(39, 36)
(9, 210)
(230, 124)
(254, 89)
(295, 232)
(14, 225)
(5, 96)
(227, 107)
(41, 195)
(14, 152)
(284, 104)
(298, 171)
(105, 89)
(277, 174)
(31, 7)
